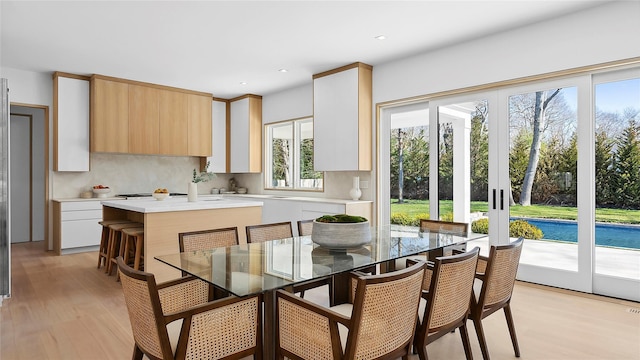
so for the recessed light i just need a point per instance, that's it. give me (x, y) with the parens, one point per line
(283, 70)
(243, 83)
(380, 37)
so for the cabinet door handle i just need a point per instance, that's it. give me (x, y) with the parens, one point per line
(501, 199)
(494, 199)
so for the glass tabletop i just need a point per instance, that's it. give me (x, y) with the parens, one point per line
(258, 267)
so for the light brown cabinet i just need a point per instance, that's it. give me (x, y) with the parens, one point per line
(139, 118)
(143, 120)
(173, 134)
(199, 125)
(109, 116)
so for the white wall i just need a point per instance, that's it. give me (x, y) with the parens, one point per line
(289, 104)
(606, 33)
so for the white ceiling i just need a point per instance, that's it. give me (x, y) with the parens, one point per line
(213, 46)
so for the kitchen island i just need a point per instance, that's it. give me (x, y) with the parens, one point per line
(164, 220)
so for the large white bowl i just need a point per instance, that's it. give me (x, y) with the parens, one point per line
(160, 196)
(341, 235)
(101, 193)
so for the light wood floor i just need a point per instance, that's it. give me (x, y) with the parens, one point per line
(62, 307)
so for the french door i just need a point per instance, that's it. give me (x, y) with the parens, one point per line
(543, 180)
(531, 154)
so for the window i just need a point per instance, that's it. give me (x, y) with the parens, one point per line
(289, 156)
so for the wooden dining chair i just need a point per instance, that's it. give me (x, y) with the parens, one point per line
(206, 240)
(266, 232)
(436, 226)
(305, 227)
(174, 320)
(496, 276)
(448, 287)
(379, 324)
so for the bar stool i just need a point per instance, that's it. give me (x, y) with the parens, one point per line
(115, 241)
(131, 245)
(104, 239)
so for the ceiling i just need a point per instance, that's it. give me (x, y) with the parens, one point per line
(216, 46)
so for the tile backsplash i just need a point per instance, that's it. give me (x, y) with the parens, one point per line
(125, 173)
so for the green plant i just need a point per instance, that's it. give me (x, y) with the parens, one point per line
(341, 218)
(400, 219)
(518, 228)
(447, 217)
(203, 176)
(417, 217)
(480, 226)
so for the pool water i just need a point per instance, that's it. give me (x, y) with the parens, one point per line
(623, 236)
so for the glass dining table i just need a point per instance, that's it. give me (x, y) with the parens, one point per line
(248, 269)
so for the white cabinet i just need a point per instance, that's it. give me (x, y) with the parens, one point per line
(76, 226)
(246, 134)
(292, 209)
(70, 122)
(342, 119)
(218, 158)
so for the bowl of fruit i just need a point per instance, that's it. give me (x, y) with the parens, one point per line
(101, 191)
(160, 194)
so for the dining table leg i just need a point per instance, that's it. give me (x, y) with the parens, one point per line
(269, 325)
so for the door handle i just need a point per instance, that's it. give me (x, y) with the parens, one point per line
(501, 199)
(494, 199)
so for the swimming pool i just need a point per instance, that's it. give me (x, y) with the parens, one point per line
(623, 236)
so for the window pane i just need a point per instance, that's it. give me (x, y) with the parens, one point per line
(282, 155)
(308, 178)
(617, 162)
(543, 161)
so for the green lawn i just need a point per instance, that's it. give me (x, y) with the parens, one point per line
(415, 207)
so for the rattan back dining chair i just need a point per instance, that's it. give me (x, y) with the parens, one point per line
(379, 324)
(206, 240)
(446, 300)
(496, 277)
(266, 232)
(437, 226)
(305, 227)
(448, 227)
(174, 320)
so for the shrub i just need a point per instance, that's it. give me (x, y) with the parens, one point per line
(518, 228)
(446, 217)
(416, 219)
(400, 219)
(480, 226)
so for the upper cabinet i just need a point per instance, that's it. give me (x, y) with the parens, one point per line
(218, 159)
(109, 116)
(144, 122)
(246, 134)
(70, 122)
(199, 125)
(140, 118)
(342, 102)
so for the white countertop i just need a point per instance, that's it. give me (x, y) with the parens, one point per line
(295, 198)
(179, 204)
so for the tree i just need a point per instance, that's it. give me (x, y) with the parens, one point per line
(542, 100)
(281, 158)
(627, 167)
(479, 153)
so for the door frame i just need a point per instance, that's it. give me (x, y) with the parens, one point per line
(47, 124)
